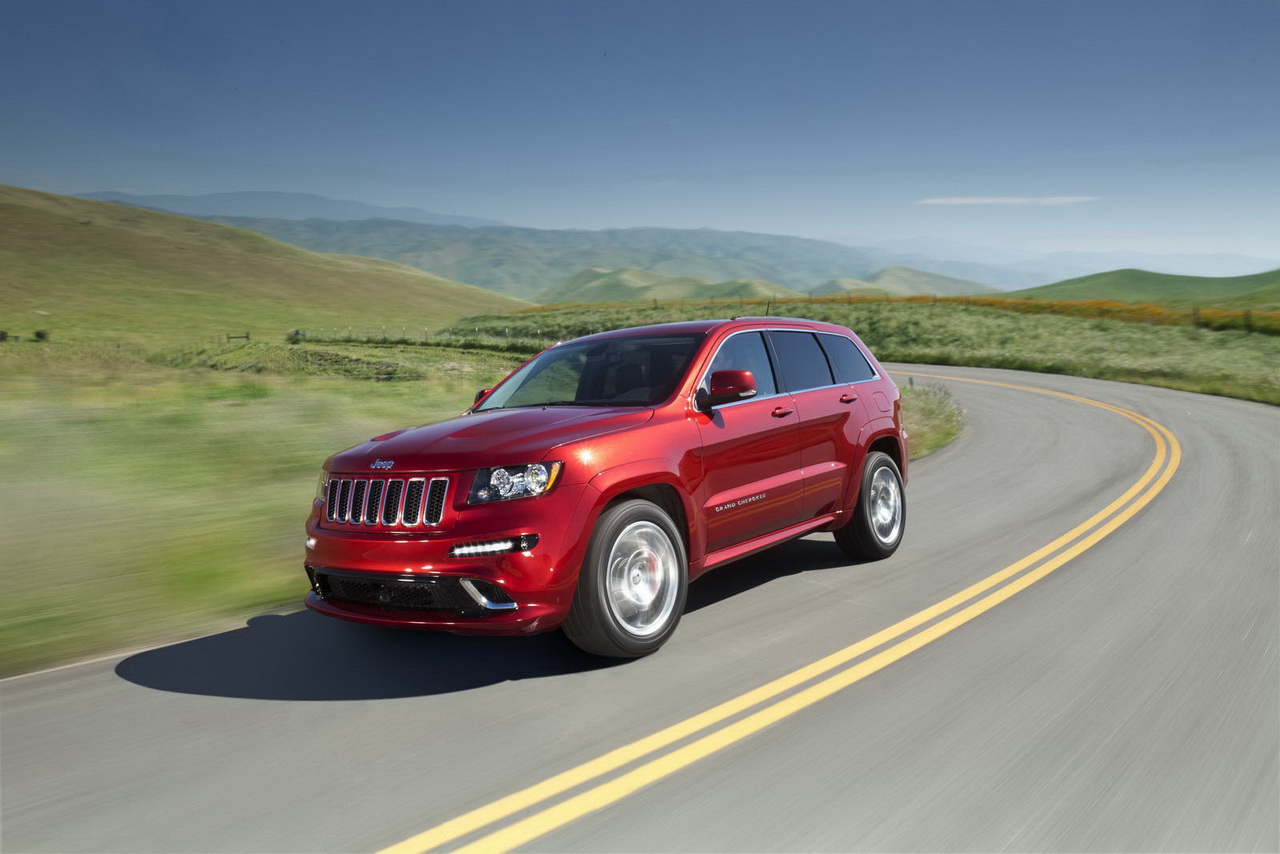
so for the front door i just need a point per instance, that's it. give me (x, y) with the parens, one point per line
(753, 480)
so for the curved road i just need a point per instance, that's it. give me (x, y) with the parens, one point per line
(1125, 700)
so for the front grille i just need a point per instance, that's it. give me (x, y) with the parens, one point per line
(428, 594)
(407, 503)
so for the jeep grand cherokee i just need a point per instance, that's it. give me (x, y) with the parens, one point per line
(588, 488)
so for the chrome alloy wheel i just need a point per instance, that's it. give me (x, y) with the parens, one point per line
(886, 506)
(641, 579)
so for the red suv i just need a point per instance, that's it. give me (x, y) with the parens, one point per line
(588, 488)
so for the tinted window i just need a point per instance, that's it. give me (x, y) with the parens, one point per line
(745, 352)
(638, 371)
(802, 361)
(846, 359)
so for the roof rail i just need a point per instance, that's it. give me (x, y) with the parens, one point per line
(775, 317)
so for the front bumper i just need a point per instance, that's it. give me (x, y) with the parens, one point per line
(409, 580)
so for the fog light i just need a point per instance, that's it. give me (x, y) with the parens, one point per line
(311, 542)
(522, 543)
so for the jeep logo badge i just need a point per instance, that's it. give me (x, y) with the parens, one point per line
(382, 464)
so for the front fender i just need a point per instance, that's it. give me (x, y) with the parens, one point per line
(656, 471)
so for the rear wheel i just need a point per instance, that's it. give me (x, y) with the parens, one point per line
(881, 515)
(632, 587)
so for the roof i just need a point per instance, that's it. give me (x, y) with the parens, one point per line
(703, 327)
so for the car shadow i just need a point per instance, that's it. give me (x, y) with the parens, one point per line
(793, 558)
(304, 656)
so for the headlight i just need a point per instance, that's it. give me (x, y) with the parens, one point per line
(507, 482)
(324, 481)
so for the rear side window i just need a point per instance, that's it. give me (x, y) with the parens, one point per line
(745, 352)
(803, 363)
(847, 361)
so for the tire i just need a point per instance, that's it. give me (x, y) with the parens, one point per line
(632, 587)
(880, 518)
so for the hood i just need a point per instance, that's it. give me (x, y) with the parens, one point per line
(495, 438)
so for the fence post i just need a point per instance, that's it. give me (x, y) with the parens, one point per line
(1195, 317)
(1248, 320)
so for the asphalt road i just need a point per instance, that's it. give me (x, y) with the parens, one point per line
(1129, 700)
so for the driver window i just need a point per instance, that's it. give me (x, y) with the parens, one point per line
(745, 352)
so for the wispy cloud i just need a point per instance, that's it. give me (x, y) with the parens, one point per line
(1035, 201)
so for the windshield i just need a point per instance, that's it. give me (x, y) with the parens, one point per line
(638, 371)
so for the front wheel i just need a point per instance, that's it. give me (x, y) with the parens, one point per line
(632, 587)
(881, 514)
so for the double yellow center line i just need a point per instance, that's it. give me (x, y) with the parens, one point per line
(727, 724)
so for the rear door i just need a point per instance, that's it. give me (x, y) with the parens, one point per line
(822, 376)
(753, 479)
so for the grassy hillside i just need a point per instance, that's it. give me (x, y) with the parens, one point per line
(1260, 291)
(959, 332)
(902, 282)
(597, 285)
(86, 269)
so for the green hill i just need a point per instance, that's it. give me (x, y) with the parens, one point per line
(598, 285)
(526, 262)
(902, 282)
(1260, 291)
(87, 270)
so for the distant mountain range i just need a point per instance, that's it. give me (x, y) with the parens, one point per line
(597, 285)
(527, 262)
(1056, 266)
(283, 206)
(903, 282)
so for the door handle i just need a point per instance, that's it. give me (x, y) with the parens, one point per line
(783, 411)
(848, 398)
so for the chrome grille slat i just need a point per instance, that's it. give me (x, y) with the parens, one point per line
(391, 505)
(344, 501)
(415, 502)
(331, 501)
(373, 508)
(434, 509)
(358, 492)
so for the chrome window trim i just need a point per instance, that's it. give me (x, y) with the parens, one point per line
(875, 375)
(706, 374)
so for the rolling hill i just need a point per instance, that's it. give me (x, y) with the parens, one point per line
(629, 283)
(903, 282)
(527, 262)
(93, 270)
(1260, 291)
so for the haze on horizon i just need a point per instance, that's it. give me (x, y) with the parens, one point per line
(1145, 126)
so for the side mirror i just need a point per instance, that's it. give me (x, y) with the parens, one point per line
(481, 393)
(727, 387)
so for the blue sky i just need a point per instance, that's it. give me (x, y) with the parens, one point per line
(1039, 126)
